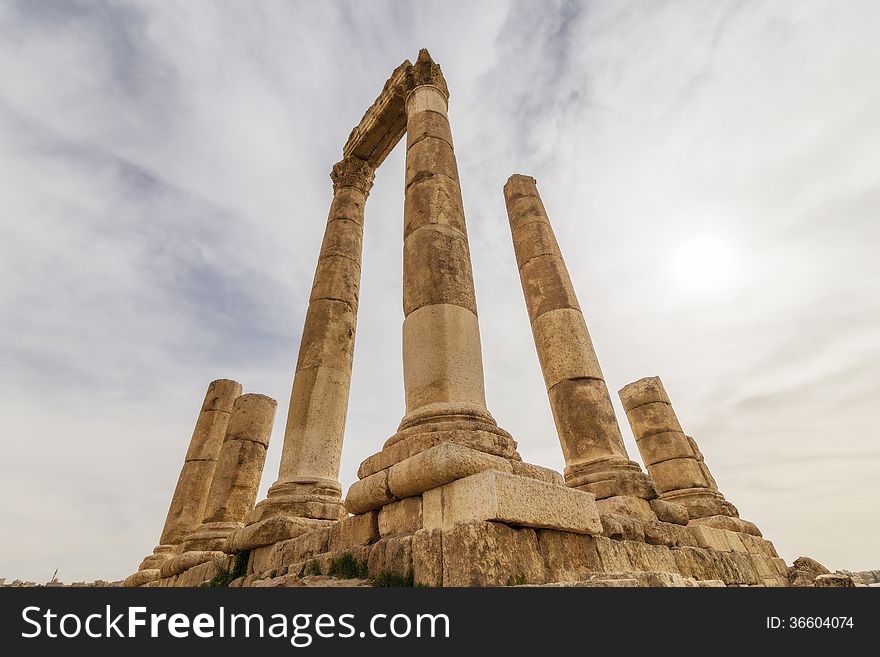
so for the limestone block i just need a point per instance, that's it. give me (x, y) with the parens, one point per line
(564, 346)
(633, 484)
(524, 210)
(430, 156)
(658, 532)
(347, 203)
(538, 472)
(141, 577)
(270, 531)
(437, 262)
(391, 555)
(433, 201)
(628, 506)
(337, 277)
(187, 560)
(767, 547)
(237, 474)
(710, 480)
(519, 185)
(649, 419)
(446, 356)
(361, 529)
(342, 238)
(664, 446)
(763, 567)
(648, 557)
(695, 562)
(514, 500)
(546, 285)
(621, 527)
(567, 557)
(729, 523)
(707, 537)
(188, 502)
(641, 392)
(736, 545)
(740, 568)
(780, 566)
(427, 124)
(260, 560)
(534, 239)
(676, 474)
(327, 336)
(369, 493)
(438, 466)
(208, 434)
(425, 98)
(707, 506)
(670, 512)
(613, 555)
(834, 580)
(301, 548)
(490, 554)
(585, 420)
(403, 517)
(427, 556)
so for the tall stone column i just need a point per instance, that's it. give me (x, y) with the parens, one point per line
(191, 494)
(308, 478)
(673, 459)
(442, 357)
(595, 456)
(237, 474)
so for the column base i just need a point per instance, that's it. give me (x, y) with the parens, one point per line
(701, 502)
(210, 536)
(611, 478)
(161, 554)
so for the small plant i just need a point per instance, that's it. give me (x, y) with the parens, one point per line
(312, 568)
(390, 579)
(347, 567)
(517, 580)
(224, 577)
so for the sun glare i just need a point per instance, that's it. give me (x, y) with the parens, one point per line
(704, 265)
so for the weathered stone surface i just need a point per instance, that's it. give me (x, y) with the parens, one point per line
(660, 447)
(438, 262)
(537, 472)
(658, 532)
(369, 493)
(649, 419)
(833, 580)
(676, 474)
(300, 548)
(430, 156)
(567, 557)
(532, 239)
(628, 506)
(403, 517)
(644, 391)
(621, 527)
(490, 554)
(564, 346)
(613, 555)
(433, 201)
(514, 500)
(585, 420)
(705, 506)
(438, 466)
(187, 560)
(733, 540)
(804, 571)
(632, 484)
(695, 562)
(729, 523)
(141, 577)
(270, 531)
(361, 529)
(525, 210)
(391, 555)
(670, 512)
(427, 557)
(707, 537)
(648, 557)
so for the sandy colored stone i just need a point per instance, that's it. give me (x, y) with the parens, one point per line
(729, 523)
(342, 238)
(443, 359)
(300, 548)
(430, 156)
(613, 555)
(438, 466)
(546, 285)
(402, 517)
(391, 555)
(670, 512)
(658, 532)
(433, 201)
(706, 506)
(650, 419)
(803, 571)
(425, 99)
(622, 527)
(660, 447)
(141, 577)
(564, 347)
(567, 556)
(518, 501)
(833, 580)
(328, 336)
(647, 557)
(337, 277)
(534, 239)
(424, 124)
(270, 531)
(736, 545)
(187, 560)
(633, 484)
(644, 391)
(438, 269)
(361, 529)
(538, 472)
(188, 502)
(490, 554)
(707, 537)
(427, 556)
(585, 420)
(676, 474)
(628, 506)
(369, 493)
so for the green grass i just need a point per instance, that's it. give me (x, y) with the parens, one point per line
(224, 576)
(312, 568)
(347, 567)
(387, 578)
(517, 580)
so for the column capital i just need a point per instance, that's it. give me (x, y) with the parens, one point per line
(426, 72)
(354, 172)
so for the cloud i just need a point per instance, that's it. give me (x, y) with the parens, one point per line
(164, 186)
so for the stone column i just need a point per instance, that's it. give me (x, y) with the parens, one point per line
(595, 456)
(191, 494)
(237, 473)
(308, 478)
(442, 357)
(672, 458)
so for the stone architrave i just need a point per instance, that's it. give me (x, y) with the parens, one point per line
(595, 456)
(673, 459)
(191, 494)
(237, 473)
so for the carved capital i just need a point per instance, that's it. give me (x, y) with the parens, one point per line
(353, 172)
(425, 71)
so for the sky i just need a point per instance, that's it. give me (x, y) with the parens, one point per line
(711, 171)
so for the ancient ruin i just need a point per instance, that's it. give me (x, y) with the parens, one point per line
(447, 500)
